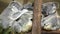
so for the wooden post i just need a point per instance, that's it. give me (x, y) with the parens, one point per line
(36, 29)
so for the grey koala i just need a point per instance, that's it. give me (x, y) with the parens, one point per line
(17, 16)
(51, 21)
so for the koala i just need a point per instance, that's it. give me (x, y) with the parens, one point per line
(17, 16)
(51, 21)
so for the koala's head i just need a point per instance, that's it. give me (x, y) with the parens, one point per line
(49, 8)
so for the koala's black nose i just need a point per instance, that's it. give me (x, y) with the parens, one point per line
(44, 13)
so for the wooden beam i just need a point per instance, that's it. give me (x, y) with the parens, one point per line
(36, 28)
(50, 32)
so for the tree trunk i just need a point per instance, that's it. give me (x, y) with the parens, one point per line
(36, 29)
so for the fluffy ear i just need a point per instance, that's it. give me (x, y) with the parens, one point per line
(28, 6)
(16, 4)
(57, 4)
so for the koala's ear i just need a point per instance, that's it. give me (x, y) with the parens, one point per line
(57, 4)
(28, 6)
(16, 4)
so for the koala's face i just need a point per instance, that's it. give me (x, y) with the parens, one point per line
(49, 8)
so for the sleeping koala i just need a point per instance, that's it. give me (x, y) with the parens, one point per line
(51, 19)
(17, 16)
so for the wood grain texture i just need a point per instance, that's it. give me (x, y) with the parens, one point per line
(36, 28)
(50, 32)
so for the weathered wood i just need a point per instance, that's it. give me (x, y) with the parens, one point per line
(50, 32)
(36, 28)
